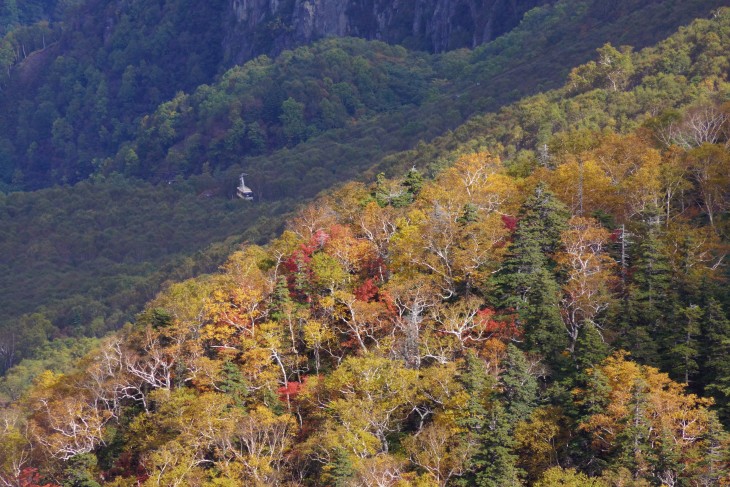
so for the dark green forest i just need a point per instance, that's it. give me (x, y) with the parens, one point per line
(498, 267)
(81, 91)
(14, 14)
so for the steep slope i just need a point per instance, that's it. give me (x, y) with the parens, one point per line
(14, 14)
(268, 27)
(128, 57)
(453, 86)
(80, 91)
(465, 329)
(74, 95)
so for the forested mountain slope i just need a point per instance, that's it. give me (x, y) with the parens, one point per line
(548, 306)
(297, 124)
(74, 91)
(14, 13)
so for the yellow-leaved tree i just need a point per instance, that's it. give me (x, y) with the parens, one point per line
(647, 423)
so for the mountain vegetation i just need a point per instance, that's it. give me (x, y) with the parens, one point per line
(14, 14)
(537, 297)
(74, 92)
(85, 257)
(99, 254)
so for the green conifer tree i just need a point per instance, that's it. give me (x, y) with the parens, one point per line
(234, 384)
(633, 449)
(715, 363)
(340, 471)
(470, 214)
(413, 182)
(479, 386)
(496, 460)
(527, 281)
(716, 461)
(487, 418)
(683, 352)
(80, 471)
(649, 300)
(519, 386)
(281, 300)
(590, 349)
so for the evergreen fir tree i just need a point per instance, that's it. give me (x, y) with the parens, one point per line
(386, 193)
(470, 214)
(527, 281)
(684, 348)
(590, 349)
(667, 461)
(494, 462)
(479, 387)
(633, 450)
(519, 386)
(339, 473)
(542, 220)
(649, 300)
(80, 471)
(543, 326)
(715, 363)
(234, 384)
(413, 182)
(281, 299)
(716, 461)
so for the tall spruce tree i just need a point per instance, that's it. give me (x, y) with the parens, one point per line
(340, 472)
(683, 353)
(519, 386)
(650, 300)
(590, 350)
(716, 460)
(496, 459)
(633, 448)
(479, 386)
(413, 182)
(527, 281)
(398, 195)
(493, 463)
(715, 364)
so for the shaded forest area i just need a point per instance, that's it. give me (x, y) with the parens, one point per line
(76, 93)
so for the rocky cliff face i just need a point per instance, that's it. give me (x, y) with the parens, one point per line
(269, 26)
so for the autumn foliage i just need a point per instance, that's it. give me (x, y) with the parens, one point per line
(563, 322)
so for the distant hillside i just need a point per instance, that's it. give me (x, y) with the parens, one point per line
(269, 27)
(74, 91)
